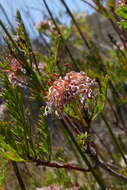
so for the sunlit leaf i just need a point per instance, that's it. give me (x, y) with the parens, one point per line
(122, 11)
(8, 152)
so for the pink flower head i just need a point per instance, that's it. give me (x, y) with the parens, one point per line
(122, 2)
(73, 85)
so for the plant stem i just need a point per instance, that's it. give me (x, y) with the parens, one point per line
(59, 165)
(9, 36)
(114, 138)
(84, 157)
(7, 18)
(75, 23)
(17, 173)
(111, 171)
(59, 32)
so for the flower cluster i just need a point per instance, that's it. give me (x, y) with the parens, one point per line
(49, 27)
(16, 72)
(73, 85)
(122, 2)
(45, 25)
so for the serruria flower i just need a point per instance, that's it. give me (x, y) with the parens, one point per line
(122, 2)
(74, 85)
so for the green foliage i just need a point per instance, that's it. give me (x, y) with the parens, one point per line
(3, 172)
(20, 130)
(73, 110)
(6, 151)
(20, 135)
(111, 3)
(43, 141)
(102, 98)
(83, 138)
(122, 12)
(62, 178)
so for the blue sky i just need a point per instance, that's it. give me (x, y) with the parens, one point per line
(34, 11)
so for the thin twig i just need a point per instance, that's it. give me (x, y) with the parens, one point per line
(111, 171)
(106, 166)
(90, 5)
(59, 32)
(116, 143)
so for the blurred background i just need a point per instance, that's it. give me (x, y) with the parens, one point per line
(34, 11)
(104, 54)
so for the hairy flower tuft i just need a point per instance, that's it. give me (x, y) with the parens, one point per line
(73, 85)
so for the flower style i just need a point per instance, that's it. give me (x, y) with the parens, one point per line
(73, 85)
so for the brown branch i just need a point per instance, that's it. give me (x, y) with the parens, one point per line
(59, 165)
